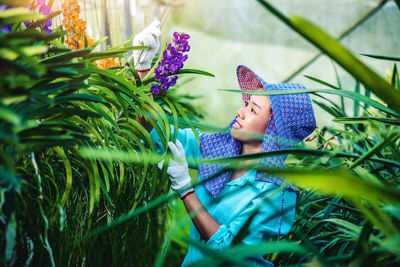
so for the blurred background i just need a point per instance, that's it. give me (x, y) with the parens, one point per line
(227, 33)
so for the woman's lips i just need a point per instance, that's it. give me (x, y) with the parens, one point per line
(236, 125)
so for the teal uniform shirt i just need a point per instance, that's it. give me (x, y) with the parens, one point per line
(275, 207)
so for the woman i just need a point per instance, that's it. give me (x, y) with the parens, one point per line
(225, 201)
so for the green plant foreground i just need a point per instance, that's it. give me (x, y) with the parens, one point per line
(79, 185)
(55, 101)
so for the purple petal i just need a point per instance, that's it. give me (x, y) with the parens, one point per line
(47, 30)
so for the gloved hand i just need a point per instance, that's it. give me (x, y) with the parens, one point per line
(178, 169)
(147, 37)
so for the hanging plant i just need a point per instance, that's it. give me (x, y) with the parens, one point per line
(75, 26)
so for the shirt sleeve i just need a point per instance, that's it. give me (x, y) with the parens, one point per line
(188, 140)
(275, 216)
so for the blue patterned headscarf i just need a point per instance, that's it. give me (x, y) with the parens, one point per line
(291, 121)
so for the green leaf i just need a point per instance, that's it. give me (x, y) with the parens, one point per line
(68, 171)
(8, 54)
(321, 82)
(149, 75)
(46, 87)
(9, 115)
(395, 76)
(128, 216)
(34, 35)
(341, 182)
(335, 112)
(62, 113)
(111, 53)
(8, 178)
(367, 120)
(16, 15)
(66, 71)
(353, 95)
(35, 50)
(121, 156)
(58, 50)
(67, 56)
(10, 239)
(356, 107)
(390, 138)
(96, 43)
(195, 71)
(39, 22)
(382, 57)
(391, 243)
(182, 71)
(78, 97)
(361, 247)
(352, 227)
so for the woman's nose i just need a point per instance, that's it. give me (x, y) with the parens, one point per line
(240, 113)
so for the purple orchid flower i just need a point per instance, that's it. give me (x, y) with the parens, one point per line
(171, 63)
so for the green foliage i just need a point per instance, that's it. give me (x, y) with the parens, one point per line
(55, 102)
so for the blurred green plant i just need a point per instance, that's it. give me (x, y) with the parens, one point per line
(55, 101)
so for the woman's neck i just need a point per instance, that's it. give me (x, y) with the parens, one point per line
(251, 147)
(247, 148)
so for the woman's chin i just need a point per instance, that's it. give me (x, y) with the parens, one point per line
(238, 135)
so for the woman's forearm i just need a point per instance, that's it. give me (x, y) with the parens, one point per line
(204, 222)
(142, 74)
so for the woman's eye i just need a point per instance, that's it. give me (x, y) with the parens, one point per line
(252, 110)
(246, 103)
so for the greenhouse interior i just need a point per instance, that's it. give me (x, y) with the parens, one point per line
(127, 126)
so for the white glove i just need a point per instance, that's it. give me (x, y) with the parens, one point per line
(147, 37)
(178, 170)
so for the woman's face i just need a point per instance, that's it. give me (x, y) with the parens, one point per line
(252, 119)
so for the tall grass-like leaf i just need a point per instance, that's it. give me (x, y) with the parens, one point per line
(367, 120)
(124, 218)
(395, 77)
(68, 171)
(46, 18)
(111, 53)
(66, 56)
(321, 82)
(341, 182)
(353, 95)
(150, 74)
(16, 15)
(387, 139)
(10, 240)
(356, 229)
(182, 71)
(356, 107)
(382, 57)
